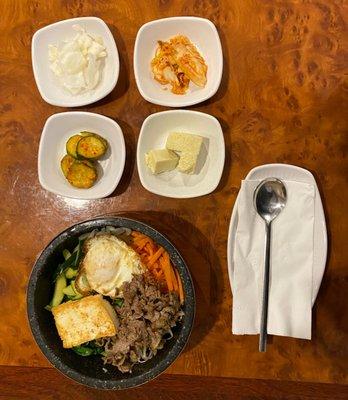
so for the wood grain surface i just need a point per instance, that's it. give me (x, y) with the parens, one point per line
(47, 383)
(283, 98)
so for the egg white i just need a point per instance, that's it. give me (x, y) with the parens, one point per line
(108, 263)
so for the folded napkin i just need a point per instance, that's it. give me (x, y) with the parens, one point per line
(290, 295)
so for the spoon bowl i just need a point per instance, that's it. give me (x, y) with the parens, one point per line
(270, 198)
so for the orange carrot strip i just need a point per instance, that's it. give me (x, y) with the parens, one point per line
(139, 239)
(136, 233)
(170, 267)
(141, 244)
(156, 256)
(167, 273)
(175, 282)
(181, 291)
(149, 248)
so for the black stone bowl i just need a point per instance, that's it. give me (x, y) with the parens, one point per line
(90, 370)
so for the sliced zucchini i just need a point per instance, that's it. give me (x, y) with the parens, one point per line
(58, 294)
(70, 273)
(69, 291)
(66, 163)
(71, 145)
(66, 254)
(81, 175)
(91, 147)
(77, 294)
(81, 284)
(89, 163)
(85, 133)
(76, 297)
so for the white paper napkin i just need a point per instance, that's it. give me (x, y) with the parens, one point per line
(290, 303)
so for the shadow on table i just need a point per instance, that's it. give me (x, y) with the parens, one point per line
(202, 261)
(130, 143)
(228, 158)
(325, 285)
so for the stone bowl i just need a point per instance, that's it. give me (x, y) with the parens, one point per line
(91, 371)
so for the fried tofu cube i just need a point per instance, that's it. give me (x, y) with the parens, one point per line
(83, 320)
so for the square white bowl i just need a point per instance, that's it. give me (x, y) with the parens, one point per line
(57, 130)
(203, 35)
(153, 135)
(50, 89)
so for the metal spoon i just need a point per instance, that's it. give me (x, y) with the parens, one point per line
(269, 201)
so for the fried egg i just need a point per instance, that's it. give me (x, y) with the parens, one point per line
(108, 263)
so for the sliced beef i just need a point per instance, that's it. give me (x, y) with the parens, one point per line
(146, 315)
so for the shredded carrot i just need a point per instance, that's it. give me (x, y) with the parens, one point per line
(136, 234)
(149, 249)
(156, 256)
(141, 244)
(157, 261)
(168, 276)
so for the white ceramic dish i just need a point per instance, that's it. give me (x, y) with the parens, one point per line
(57, 130)
(47, 84)
(154, 133)
(202, 33)
(289, 172)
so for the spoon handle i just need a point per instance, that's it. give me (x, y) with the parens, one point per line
(264, 312)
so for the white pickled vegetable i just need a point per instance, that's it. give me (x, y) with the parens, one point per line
(77, 63)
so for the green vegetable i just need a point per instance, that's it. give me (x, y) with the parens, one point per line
(73, 261)
(66, 163)
(71, 145)
(69, 291)
(85, 133)
(70, 273)
(63, 266)
(66, 254)
(83, 351)
(91, 147)
(118, 302)
(88, 349)
(58, 294)
(76, 297)
(78, 253)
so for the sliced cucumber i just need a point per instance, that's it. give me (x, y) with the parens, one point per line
(58, 294)
(66, 254)
(85, 133)
(69, 291)
(71, 145)
(70, 273)
(66, 163)
(91, 147)
(82, 175)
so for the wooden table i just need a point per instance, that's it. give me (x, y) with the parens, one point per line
(282, 99)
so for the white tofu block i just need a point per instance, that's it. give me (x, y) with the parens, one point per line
(161, 160)
(188, 146)
(83, 320)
